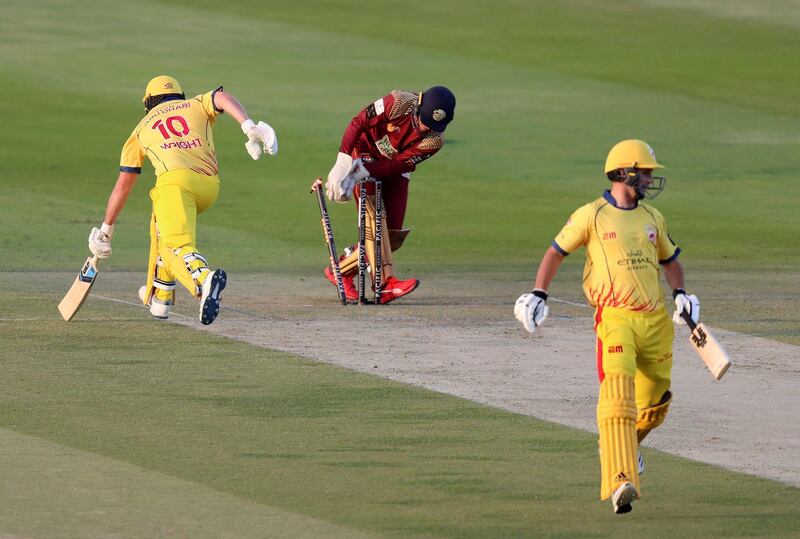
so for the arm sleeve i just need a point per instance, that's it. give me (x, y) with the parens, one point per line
(132, 156)
(373, 114)
(405, 161)
(207, 102)
(667, 250)
(575, 233)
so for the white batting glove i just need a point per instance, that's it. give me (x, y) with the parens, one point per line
(690, 304)
(100, 240)
(339, 186)
(261, 139)
(531, 309)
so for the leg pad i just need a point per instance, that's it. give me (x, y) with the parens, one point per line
(616, 422)
(651, 417)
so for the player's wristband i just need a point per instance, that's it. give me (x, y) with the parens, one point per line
(539, 293)
(107, 229)
(677, 292)
(247, 125)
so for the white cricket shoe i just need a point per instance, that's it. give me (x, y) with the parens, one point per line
(623, 497)
(209, 300)
(159, 309)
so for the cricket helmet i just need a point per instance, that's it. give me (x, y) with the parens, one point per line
(161, 86)
(625, 162)
(437, 107)
(631, 153)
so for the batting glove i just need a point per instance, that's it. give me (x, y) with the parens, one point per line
(690, 304)
(100, 240)
(531, 309)
(261, 139)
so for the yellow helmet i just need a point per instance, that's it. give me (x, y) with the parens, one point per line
(631, 153)
(161, 85)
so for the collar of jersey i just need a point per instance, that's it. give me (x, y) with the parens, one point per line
(611, 200)
(167, 100)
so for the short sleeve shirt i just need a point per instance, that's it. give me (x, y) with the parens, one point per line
(175, 135)
(624, 248)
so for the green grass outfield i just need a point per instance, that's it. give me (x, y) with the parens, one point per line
(263, 440)
(221, 439)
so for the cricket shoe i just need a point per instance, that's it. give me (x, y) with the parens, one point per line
(623, 497)
(209, 300)
(159, 309)
(394, 288)
(641, 463)
(350, 291)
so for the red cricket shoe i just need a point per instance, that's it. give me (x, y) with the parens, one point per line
(394, 288)
(350, 291)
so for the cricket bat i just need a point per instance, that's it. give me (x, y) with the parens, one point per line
(79, 291)
(707, 347)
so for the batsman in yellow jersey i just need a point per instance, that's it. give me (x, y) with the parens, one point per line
(626, 243)
(176, 136)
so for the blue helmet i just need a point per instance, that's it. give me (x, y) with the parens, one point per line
(437, 107)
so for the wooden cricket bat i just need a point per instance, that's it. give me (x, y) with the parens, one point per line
(79, 291)
(707, 347)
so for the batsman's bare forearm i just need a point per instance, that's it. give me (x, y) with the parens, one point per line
(227, 103)
(119, 196)
(548, 268)
(673, 272)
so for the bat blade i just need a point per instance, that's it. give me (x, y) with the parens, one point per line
(79, 290)
(709, 350)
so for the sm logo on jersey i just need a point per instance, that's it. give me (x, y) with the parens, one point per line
(609, 235)
(385, 147)
(615, 349)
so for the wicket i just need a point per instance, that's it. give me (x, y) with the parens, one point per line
(377, 238)
(328, 231)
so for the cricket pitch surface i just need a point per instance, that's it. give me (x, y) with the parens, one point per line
(447, 339)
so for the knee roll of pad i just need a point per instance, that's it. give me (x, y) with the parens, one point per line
(650, 418)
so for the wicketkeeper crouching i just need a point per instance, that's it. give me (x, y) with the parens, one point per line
(386, 141)
(176, 135)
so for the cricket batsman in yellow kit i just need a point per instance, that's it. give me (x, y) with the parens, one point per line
(626, 244)
(176, 136)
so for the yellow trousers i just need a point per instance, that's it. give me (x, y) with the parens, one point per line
(634, 364)
(178, 197)
(638, 345)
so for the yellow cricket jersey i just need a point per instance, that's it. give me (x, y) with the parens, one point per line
(175, 135)
(624, 248)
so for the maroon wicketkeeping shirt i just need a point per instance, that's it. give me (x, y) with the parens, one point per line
(386, 136)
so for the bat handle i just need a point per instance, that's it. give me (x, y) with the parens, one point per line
(688, 318)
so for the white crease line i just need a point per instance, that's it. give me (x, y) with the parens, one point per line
(222, 308)
(132, 304)
(569, 302)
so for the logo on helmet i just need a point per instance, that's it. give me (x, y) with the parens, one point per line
(439, 115)
(168, 85)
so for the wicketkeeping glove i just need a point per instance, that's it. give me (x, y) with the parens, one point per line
(340, 184)
(531, 309)
(686, 303)
(100, 240)
(261, 139)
